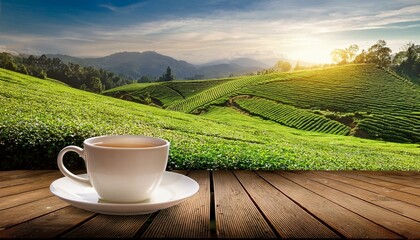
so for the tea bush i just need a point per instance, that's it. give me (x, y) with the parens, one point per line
(291, 116)
(390, 101)
(39, 117)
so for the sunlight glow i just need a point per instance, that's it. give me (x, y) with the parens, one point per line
(311, 50)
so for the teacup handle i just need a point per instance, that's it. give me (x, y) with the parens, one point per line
(65, 171)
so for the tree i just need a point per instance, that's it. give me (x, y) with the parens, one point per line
(42, 74)
(411, 63)
(167, 76)
(344, 56)
(145, 79)
(97, 86)
(412, 54)
(87, 78)
(297, 66)
(10, 65)
(399, 57)
(361, 58)
(351, 52)
(339, 56)
(22, 69)
(283, 66)
(379, 54)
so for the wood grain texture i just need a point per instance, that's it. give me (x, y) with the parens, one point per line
(236, 214)
(21, 177)
(41, 181)
(399, 207)
(380, 182)
(25, 197)
(394, 176)
(397, 223)
(190, 218)
(12, 174)
(344, 221)
(25, 212)
(287, 218)
(244, 204)
(109, 226)
(49, 225)
(354, 181)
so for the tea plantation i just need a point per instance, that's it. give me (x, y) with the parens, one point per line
(40, 117)
(360, 100)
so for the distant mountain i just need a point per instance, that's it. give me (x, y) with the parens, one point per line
(67, 59)
(137, 64)
(242, 62)
(225, 69)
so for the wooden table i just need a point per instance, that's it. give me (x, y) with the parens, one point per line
(239, 204)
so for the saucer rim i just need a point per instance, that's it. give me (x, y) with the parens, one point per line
(127, 206)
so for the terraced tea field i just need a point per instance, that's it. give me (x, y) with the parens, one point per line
(163, 93)
(40, 117)
(383, 106)
(372, 102)
(291, 116)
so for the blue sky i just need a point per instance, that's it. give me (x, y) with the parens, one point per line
(199, 31)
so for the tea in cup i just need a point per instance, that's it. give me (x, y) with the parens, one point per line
(121, 168)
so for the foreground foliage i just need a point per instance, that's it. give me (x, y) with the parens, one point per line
(40, 117)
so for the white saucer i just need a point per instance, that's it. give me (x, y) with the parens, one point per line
(173, 189)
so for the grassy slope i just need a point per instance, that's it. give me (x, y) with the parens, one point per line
(385, 106)
(164, 93)
(372, 102)
(38, 118)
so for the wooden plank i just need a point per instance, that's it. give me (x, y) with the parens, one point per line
(11, 174)
(109, 226)
(236, 215)
(342, 220)
(183, 172)
(411, 183)
(360, 176)
(190, 218)
(25, 212)
(25, 197)
(410, 177)
(287, 218)
(22, 178)
(396, 206)
(15, 174)
(49, 225)
(41, 181)
(14, 182)
(395, 194)
(410, 173)
(390, 220)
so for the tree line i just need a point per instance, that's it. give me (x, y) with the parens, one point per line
(85, 78)
(285, 66)
(405, 62)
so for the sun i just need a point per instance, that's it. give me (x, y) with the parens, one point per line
(313, 55)
(311, 50)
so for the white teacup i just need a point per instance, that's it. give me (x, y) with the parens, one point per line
(121, 168)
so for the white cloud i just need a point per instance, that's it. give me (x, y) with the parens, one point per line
(275, 27)
(123, 9)
(5, 49)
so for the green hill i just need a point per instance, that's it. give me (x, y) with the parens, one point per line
(360, 100)
(40, 117)
(162, 93)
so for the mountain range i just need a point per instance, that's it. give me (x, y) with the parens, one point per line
(134, 65)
